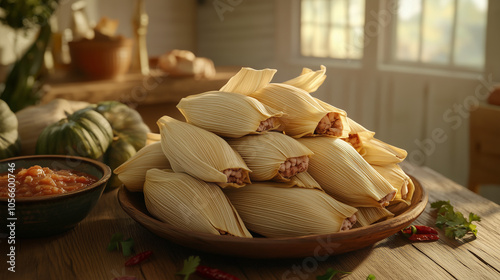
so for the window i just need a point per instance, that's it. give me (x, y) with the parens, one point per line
(332, 28)
(449, 34)
(441, 32)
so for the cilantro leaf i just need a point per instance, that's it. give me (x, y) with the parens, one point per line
(190, 265)
(127, 246)
(114, 243)
(330, 272)
(453, 222)
(371, 277)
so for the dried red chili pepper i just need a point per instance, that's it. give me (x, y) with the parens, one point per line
(423, 237)
(213, 273)
(420, 233)
(138, 258)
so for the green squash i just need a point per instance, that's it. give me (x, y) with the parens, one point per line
(9, 137)
(129, 131)
(84, 133)
(118, 152)
(126, 122)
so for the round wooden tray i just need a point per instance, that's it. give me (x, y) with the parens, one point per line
(268, 248)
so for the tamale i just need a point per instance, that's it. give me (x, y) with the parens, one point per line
(229, 114)
(305, 180)
(272, 156)
(344, 174)
(287, 212)
(201, 153)
(398, 179)
(369, 215)
(378, 152)
(249, 80)
(303, 115)
(133, 172)
(309, 80)
(191, 204)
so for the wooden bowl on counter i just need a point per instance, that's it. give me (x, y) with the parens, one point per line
(272, 248)
(102, 59)
(45, 215)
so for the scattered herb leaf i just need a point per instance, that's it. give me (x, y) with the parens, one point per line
(117, 242)
(371, 277)
(454, 223)
(330, 272)
(114, 244)
(127, 246)
(190, 265)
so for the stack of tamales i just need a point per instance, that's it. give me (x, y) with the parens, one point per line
(262, 158)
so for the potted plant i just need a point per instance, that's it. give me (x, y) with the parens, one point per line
(22, 86)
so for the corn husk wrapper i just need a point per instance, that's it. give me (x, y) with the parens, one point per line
(249, 80)
(264, 153)
(305, 180)
(378, 152)
(309, 80)
(153, 138)
(227, 114)
(191, 204)
(287, 212)
(200, 153)
(132, 173)
(398, 205)
(369, 215)
(344, 174)
(302, 111)
(398, 179)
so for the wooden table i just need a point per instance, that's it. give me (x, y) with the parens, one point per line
(81, 253)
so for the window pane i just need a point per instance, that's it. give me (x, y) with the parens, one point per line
(408, 30)
(470, 38)
(338, 46)
(437, 30)
(338, 12)
(332, 28)
(355, 44)
(357, 13)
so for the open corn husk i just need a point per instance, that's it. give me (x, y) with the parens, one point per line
(303, 115)
(309, 80)
(398, 205)
(201, 153)
(286, 212)
(272, 156)
(369, 215)
(398, 179)
(378, 152)
(132, 173)
(191, 204)
(344, 174)
(229, 114)
(249, 80)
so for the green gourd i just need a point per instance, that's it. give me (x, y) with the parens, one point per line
(84, 133)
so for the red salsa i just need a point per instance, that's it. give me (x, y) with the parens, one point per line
(38, 181)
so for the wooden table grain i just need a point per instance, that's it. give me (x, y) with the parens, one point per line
(81, 253)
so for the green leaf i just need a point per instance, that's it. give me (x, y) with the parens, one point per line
(454, 222)
(114, 244)
(190, 265)
(330, 272)
(127, 247)
(371, 277)
(438, 204)
(473, 217)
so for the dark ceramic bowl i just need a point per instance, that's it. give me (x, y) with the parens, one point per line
(48, 215)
